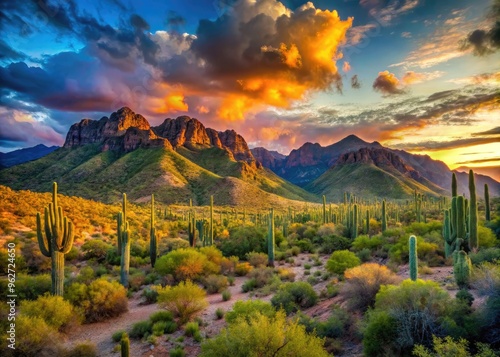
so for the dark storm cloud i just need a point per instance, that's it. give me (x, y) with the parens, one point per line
(355, 83)
(485, 41)
(8, 53)
(174, 19)
(494, 131)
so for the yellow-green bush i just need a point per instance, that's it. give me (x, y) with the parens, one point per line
(184, 300)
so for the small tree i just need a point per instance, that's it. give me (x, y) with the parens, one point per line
(184, 300)
(266, 337)
(341, 260)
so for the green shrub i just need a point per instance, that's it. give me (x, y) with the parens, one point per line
(170, 327)
(366, 242)
(136, 280)
(141, 329)
(380, 334)
(242, 269)
(177, 352)
(30, 287)
(150, 294)
(99, 300)
(485, 255)
(333, 243)
(336, 325)
(183, 263)
(191, 329)
(84, 349)
(307, 266)
(249, 309)
(95, 249)
(257, 259)
(158, 328)
(243, 240)
(264, 336)
(117, 336)
(226, 295)
(341, 260)
(56, 311)
(305, 245)
(219, 313)
(249, 285)
(292, 297)
(215, 283)
(184, 300)
(161, 316)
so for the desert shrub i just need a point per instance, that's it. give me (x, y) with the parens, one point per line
(364, 255)
(486, 237)
(183, 263)
(170, 244)
(249, 285)
(228, 265)
(341, 260)
(256, 259)
(191, 329)
(365, 242)
(448, 347)
(151, 294)
(95, 249)
(212, 264)
(177, 352)
(379, 334)
(215, 283)
(243, 268)
(136, 280)
(54, 310)
(415, 307)
(170, 327)
(226, 295)
(161, 316)
(286, 274)
(333, 243)
(141, 329)
(86, 275)
(485, 255)
(243, 240)
(117, 336)
(219, 313)
(84, 349)
(249, 309)
(305, 245)
(184, 300)
(264, 336)
(292, 297)
(335, 326)
(363, 283)
(158, 328)
(34, 338)
(326, 230)
(30, 287)
(99, 300)
(262, 276)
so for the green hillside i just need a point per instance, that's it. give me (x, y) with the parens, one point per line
(367, 180)
(87, 172)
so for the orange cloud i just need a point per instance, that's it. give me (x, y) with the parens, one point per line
(172, 102)
(411, 77)
(387, 83)
(346, 67)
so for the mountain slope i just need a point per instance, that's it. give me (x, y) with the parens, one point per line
(176, 161)
(370, 173)
(20, 156)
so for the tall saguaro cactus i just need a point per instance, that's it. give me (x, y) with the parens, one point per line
(448, 240)
(57, 241)
(324, 210)
(473, 239)
(153, 243)
(124, 242)
(487, 202)
(354, 227)
(384, 217)
(270, 239)
(211, 224)
(454, 185)
(413, 258)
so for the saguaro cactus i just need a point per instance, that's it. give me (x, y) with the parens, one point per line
(368, 222)
(448, 240)
(324, 210)
(462, 269)
(354, 227)
(270, 239)
(461, 227)
(413, 258)
(125, 346)
(454, 185)
(384, 217)
(153, 243)
(211, 224)
(124, 242)
(487, 202)
(473, 239)
(57, 241)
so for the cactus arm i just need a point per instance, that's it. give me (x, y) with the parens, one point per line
(42, 242)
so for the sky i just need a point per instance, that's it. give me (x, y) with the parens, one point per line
(418, 75)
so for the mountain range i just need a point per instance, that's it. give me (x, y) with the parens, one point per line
(182, 159)
(24, 155)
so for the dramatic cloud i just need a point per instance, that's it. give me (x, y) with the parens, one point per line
(387, 83)
(411, 77)
(485, 41)
(440, 145)
(480, 79)
(494, 131)
(491, 159)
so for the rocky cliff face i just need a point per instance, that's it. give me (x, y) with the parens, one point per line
(273, 160)
(382, 158)
(126, 131)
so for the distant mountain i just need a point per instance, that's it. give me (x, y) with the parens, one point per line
(20, 156)
(491, 171)
(177, 160)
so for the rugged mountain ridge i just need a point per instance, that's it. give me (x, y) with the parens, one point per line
(126, 131)
(20, 156)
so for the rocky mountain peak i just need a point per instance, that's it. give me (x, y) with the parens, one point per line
(184, 131)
